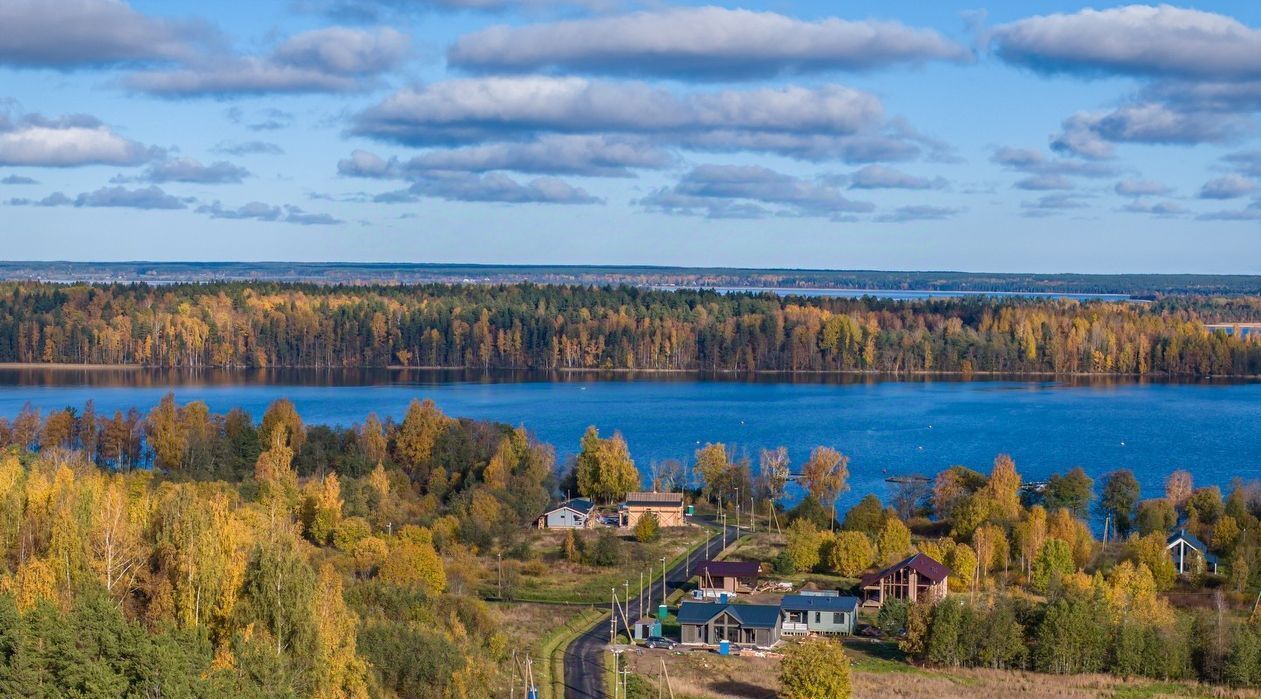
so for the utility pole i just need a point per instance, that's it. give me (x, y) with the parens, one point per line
(500, 556)
(663, 579)
(641, 590)
(737, 509)
(612, 615)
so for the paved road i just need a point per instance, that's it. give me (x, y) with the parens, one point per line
(584, 658)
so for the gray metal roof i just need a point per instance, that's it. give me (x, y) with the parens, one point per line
(764, 616)
(819, 603)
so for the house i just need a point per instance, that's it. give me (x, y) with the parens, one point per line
(915, 578)
(703, 623)
(827, 614)
(728, 576)
(667, 506)
(577, 513)
(1185, 549)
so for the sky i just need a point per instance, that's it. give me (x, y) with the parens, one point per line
(1036, 136)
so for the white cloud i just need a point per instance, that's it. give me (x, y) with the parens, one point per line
(710, 42)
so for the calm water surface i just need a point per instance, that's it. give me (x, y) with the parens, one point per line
(886, 427)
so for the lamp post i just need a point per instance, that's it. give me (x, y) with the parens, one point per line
(663, 579)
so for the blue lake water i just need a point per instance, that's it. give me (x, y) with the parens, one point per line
(886, 427)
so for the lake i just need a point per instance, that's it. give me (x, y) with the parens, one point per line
(885, 427)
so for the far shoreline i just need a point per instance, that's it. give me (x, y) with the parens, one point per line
(987, 375)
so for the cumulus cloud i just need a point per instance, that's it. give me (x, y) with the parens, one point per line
(1034, 162)
(145, 198)
(1246, 162)
(1141, 40)
(1251, 213)
(1092, 134)
(1163, 209)
(1044, 182)
(750, 191)
(1228, 187)
(258, 211)
(551, 154)
(883, 177)
(335, 59)
(394, 10)
(918, 212)
(492, 187)
(707, 42)
(66, 34)
(827, 122)
(69, 141)
(18, 179)
(1052, 204)
(248, 148)
(192, 170)
(1140, 188)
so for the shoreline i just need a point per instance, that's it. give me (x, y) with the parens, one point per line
(698, 373)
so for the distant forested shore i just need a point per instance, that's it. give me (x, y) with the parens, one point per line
(552, 327)
(1147, 286)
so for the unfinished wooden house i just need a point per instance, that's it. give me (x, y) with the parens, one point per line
(914, 579)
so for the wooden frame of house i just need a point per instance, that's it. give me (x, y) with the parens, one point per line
(578, 513)
(824, 614)
(667, 506)
(707, 624)
(915, 578)
(728, 576)
(1184, 547)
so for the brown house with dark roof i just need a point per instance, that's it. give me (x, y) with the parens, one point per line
(914, 579)
(728, 576)
(667, 506)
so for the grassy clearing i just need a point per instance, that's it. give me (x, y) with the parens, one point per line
(543, 631)
(547, 577)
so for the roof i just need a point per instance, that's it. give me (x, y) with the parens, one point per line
(1193, 541)
(582, 505)
(645, 499)
(818, 603)
(921, 563)
(764, 616)
(730, 569)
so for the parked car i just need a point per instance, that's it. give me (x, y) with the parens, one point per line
(612, 521)
(660, 642)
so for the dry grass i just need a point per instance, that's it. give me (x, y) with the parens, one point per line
(702, 675)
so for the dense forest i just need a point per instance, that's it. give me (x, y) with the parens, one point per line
(527, 326)
(269, 559)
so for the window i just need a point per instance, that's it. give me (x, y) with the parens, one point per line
(818, 618)
(838, 618)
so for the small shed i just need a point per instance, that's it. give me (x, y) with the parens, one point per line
(571, 514)
(819, 613)
(1185, 549)
(729, 576)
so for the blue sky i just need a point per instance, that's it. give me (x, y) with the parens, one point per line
(1032, 136)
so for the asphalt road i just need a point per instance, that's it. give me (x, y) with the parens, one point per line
(584, 658)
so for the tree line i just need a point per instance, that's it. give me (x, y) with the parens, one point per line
(527, 326)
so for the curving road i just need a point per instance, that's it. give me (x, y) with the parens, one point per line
(584, 658)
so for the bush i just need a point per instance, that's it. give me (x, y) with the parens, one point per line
(816, 669)
(892, 617)
(784, 564)
(607, 550)
(647, 529)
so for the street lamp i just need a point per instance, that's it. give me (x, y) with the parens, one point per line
(663, 579)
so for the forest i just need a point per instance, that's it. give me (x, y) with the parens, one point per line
(183, 553)
(550, 328)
